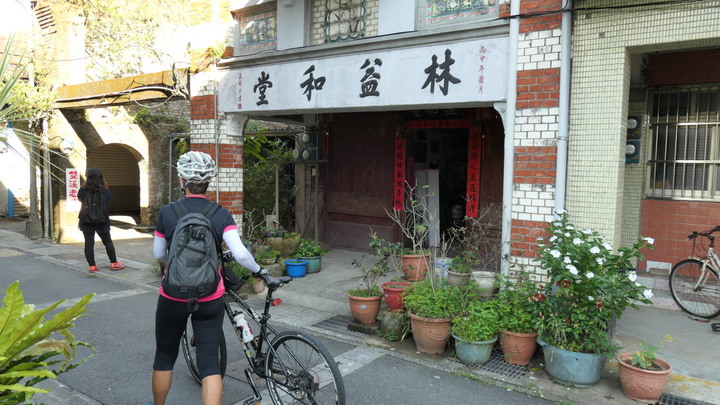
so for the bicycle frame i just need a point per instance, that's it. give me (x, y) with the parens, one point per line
(254, 350)
(712, 257)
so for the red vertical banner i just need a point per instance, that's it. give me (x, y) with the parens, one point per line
(473, 173)
(399, 175)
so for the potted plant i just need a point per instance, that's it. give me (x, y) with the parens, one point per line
(588, 290)
(388, 253)
(274, 237)
(266, 256)
(642, 375)
(431, 304)
(516, 301)
(312, 252)
(290, 242)
(413, 221)
(461, 269)
(476, 331)
(365, 301)
(258, 285)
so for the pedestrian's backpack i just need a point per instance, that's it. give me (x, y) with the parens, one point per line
(194, 257)
(93, 212)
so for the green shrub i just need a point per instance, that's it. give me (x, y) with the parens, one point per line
(480, 322)
(27, 351)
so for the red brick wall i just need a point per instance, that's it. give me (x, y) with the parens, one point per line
(541, 22)
(538, 88)
(524, 237)
(202, 107)
(670, 222)
(535, 164)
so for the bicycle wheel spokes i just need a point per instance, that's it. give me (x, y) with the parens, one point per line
(697, 297)
(301, 371)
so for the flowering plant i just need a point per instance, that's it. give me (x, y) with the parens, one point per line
(590, 286)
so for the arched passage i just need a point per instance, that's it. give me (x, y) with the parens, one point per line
(120, 166)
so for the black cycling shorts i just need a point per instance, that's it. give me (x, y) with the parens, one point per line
(170, 320)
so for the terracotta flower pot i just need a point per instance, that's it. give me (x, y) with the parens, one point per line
(518, 348)
(258, 286)
(431, 335)
(364, 309)
(415, 266)
(393, 295)
(643, 385)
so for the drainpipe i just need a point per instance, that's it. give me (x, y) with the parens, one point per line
(564, 113)
(509, 157)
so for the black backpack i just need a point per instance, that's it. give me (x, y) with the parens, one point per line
(194, 257)
(94, 208)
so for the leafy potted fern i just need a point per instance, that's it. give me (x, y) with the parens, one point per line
(476, 331)
(312, 252)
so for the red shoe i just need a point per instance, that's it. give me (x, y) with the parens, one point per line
(94, 269)
(116, 266)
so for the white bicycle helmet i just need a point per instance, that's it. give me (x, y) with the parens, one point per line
(196, 167)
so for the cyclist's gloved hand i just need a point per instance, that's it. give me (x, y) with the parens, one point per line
(262, 270)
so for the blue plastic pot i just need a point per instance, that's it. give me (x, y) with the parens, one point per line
(579, 369)
(296, 268)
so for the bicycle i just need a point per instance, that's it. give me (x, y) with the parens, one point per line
(297, 368)
(694, 282)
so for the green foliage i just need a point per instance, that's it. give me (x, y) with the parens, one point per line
(480, 322)
(517, 299)
(589, 287)
(309, 248)
(238, 269)
(645, 357)
(259, 182)
(434, 299)
(26, 350)
(266, 253)
(364, 292)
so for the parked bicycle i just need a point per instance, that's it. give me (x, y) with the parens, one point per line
(296, 367)
(694, 282)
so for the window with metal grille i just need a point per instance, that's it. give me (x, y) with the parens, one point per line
(683, 144)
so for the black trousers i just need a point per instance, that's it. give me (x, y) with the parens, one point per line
(90, 246)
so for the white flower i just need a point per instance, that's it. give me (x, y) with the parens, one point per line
(573, 269)
(591, 298)
(560, 212)
(621, 253)
(557, 224)
(577, 241)
(567, 260)
(555, 253)
(648, 293)
(567, 234)
(607, 246)
(594, 250)
(589, 274)
(637, 284)
(553, 238)
(600, 260)
(632, 276)
(569, 227)
(587, 231)
(650, 241)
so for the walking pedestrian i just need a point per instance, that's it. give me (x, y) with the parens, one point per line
(94, 218)
(195, 170)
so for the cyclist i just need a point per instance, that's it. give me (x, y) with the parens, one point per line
(195, 170)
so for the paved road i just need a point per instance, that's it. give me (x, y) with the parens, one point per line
(120, 326)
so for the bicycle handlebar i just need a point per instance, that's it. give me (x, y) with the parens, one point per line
(707, 234)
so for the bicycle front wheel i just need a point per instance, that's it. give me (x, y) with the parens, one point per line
(189, 353)
(701, 300)
(300, 370)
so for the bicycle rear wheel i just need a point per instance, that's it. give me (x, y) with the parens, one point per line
(301, 371)
(188, 348)
(703, 301)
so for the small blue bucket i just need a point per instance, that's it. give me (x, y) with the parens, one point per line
(296, 268)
